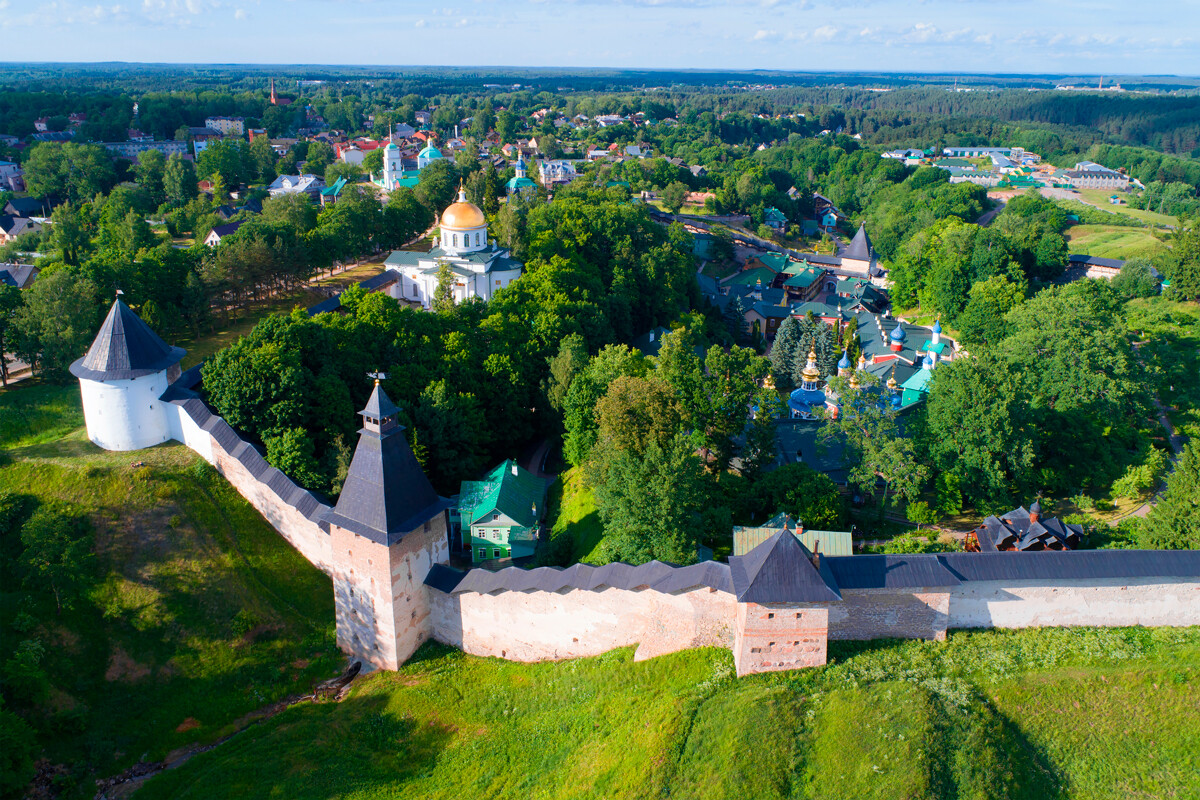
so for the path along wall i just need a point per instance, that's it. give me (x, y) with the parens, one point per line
(293, 511)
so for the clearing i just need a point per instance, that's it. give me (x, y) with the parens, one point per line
(1113, 241)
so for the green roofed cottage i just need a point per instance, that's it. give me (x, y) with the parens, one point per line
(500, 513)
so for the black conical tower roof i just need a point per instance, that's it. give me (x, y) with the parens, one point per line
(125, 348)
(860, 247)
(780, 570)
(386, 494)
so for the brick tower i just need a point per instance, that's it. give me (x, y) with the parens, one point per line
(388, 528)
(783, 594)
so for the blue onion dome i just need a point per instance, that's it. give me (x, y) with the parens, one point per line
(897, 334)
(1036, 508)
(845, 362)
(927, 362)
(937, 326)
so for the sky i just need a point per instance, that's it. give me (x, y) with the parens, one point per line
(1023, 36)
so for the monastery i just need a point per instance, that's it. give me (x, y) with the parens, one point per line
(386, 546)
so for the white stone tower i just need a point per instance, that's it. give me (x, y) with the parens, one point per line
(121, 379)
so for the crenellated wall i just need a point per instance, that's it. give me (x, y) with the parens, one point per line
(548, 625)
(1101, 602)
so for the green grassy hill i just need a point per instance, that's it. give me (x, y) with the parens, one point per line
(1111, 241)
(1081, 713)
(189, 611)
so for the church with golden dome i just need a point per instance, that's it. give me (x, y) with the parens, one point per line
(478, 265)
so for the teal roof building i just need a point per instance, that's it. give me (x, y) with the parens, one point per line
(500, 513)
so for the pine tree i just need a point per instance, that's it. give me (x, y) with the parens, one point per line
(1174, 522)
(783, 354)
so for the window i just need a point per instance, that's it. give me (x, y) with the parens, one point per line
(454, 239)
(414, 290)
(495, 516)
(496, 552)
(497, 282)
(770, 616)
(477, 238)
(482, 553)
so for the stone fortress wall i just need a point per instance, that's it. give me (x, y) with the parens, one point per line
(391, 599)
(291, 510)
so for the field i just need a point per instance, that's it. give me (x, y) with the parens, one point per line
(193, 614)
(1099, 198)
(1112, 241)
(1054, 713)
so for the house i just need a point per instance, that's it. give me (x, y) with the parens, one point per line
(41, 124)
(134, 135)
(555, 172)
(774, 219)
(30, 206)
(500, 514)
(19, 276)
(636, 151)
(11, 177)
(296, 184)
(217, 234)
(478, 266)
(1024, 531)
(698, 170)
(424, 118)
(203, 134)
(404, 130)
(12, 227)
(331, 193)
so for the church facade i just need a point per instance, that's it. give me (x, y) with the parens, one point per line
(478, 266)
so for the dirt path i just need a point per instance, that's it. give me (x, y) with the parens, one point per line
(986, 218)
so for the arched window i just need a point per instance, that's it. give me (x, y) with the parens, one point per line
(477, 238)
(414, 290)
(454, 240)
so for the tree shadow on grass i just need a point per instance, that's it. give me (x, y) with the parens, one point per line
(357, 746)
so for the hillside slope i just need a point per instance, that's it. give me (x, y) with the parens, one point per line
(1032, 714)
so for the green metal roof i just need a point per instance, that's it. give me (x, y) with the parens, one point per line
(919, 381)
(774, 215)
(514, 495)
(829, 543)
(335, 189)
(751, 277)
(804, 279)
(936, 348)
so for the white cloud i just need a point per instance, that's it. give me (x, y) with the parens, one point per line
(763, 35)
(240, 14)
(825, 33)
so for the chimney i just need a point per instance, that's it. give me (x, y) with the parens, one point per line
(816, 562)
(514, 467)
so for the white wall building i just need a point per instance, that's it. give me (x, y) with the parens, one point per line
(479, 266)
(229, 126)
(121, 379)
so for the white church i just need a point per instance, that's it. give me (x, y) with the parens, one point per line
(478, 265)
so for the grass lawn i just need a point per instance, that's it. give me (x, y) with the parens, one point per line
(1099, 198)
(1112, 241)
(194, 614)
(1055, 713)
(573, 509)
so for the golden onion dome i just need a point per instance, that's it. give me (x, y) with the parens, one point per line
(810, 371)
(463, 215)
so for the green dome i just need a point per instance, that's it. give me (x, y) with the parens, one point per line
(430, 152)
